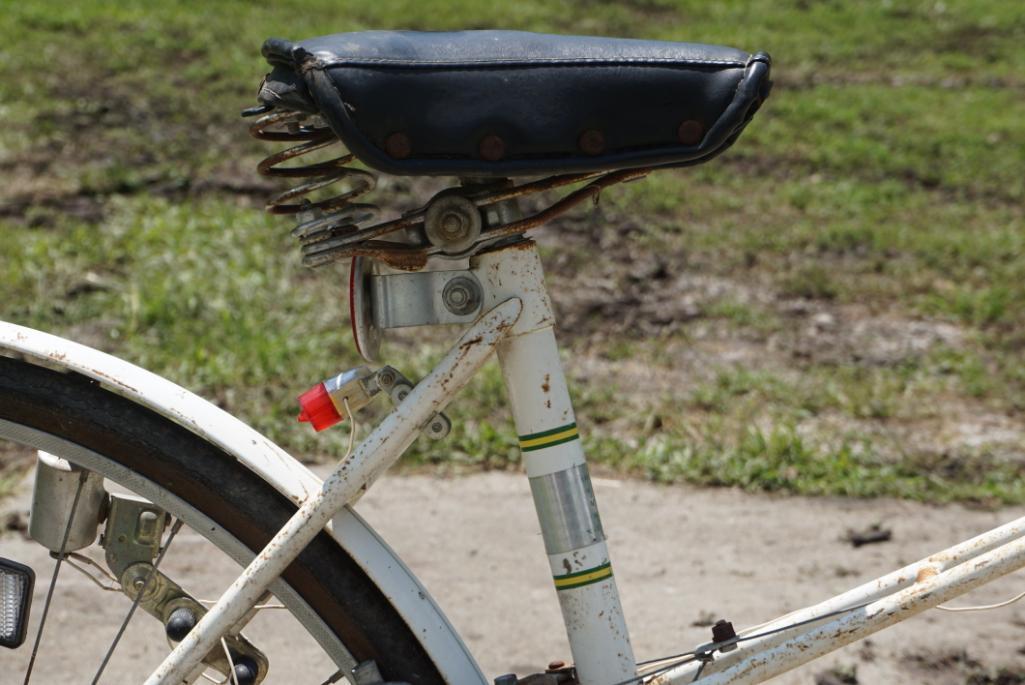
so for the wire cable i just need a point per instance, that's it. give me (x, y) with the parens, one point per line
(983, 607)
(352, 431)
(704, 652)
(53, 580)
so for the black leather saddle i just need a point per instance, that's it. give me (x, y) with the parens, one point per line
(508, 103)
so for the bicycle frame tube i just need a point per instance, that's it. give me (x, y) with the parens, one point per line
(554, 461)
(872, 591)
(518, 323)
(875, 605)
(379, 450)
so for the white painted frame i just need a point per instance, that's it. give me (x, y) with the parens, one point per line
(275, 466)
(518, 322)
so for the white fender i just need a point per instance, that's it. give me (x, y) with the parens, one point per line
(283, 472)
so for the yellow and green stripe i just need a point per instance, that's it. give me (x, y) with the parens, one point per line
(582, 578)
(549, 438)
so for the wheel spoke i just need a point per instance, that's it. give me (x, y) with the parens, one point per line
(53, 580)
(135, 603)
(232, 676)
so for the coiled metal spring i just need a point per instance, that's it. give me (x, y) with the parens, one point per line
(340, 227)
(322, 223)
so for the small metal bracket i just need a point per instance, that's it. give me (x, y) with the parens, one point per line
(132, 541)
(358, 386)
(452, 222)
(58, 486)
(425, 298)
(724, 634)
(397, 386)
(558, 676)
(367, 673)
(133, 532)
(365, 332)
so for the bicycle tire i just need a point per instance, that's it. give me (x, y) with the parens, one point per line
(78, 410)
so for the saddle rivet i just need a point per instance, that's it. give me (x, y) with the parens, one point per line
(492, 148)
(397, 145)
(592, 142)
(690, 132)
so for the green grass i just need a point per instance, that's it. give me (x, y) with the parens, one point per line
(883, 178)
(782, 461)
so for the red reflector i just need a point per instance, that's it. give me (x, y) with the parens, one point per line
(317, 408)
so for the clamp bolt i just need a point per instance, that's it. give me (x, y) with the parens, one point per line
(180, 623)
(452, 222)
(461, 296)
(723, 631)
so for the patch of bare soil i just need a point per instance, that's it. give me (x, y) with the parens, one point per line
(714, 553)
(665, 304)
(842, 334)
(958, 667)
(102, 137)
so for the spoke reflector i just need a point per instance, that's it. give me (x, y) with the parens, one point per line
(16, 582)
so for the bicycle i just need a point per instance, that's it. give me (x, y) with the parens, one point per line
(409, 104)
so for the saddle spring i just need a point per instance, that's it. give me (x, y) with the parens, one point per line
(340, 227)
(322, 222)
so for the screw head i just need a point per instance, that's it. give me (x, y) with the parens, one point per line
(386, 378)
(461, 296)
(492, 148)
(452, 222)
(181, 621)
(397, 145)
(690, 132)
(246, 670)
(453, 226)
(592, 142)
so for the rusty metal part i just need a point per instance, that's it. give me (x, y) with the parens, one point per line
(492, 148)
(162, 597)
(379, 450)
(452, 222)
(321, 220)
(397, 145)
(690, 132)
(772, 648)
(339, 227)
(722, 632)
(563, 675)
(592, 142)
(131, 540)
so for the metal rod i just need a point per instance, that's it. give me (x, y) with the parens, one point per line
(873, 590)
(56, 572)
(553, 458)
(374, 455)
(929, 590)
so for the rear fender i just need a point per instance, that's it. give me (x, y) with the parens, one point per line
(279, 469)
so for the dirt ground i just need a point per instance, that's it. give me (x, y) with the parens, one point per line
(683, 556)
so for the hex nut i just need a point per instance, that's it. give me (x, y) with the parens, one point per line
(461, 296)
(453, 223)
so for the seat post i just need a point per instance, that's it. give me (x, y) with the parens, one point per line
(555, 464)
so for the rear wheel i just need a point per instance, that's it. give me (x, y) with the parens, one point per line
(219, 500)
